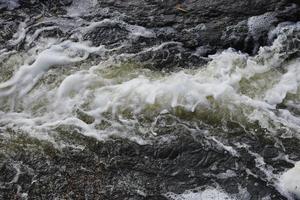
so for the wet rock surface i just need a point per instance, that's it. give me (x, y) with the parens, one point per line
(122, 169)
(201, 27)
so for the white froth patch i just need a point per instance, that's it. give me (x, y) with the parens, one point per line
(20, 34)
(290, 180)
(288, 83)
(81, 7)
(260, 24)
(28, 75)
(217, 89)
(134, 31)
(9, 4)
(207, 194)
(257, 24)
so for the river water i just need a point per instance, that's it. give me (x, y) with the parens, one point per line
(63, 91)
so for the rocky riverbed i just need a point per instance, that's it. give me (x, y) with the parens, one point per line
(149, 99)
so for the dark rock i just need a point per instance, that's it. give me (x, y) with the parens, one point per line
(7, 172)
(122, 169)
(107, 35)
(217, 24)
(226, 22)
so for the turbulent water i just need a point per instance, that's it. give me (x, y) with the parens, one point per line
(232, 124)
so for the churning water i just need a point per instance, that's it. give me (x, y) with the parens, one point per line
(103, 93)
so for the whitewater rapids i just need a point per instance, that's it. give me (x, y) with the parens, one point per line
(63, 84)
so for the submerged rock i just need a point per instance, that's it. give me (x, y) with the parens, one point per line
(249, 21)
(212, 25)
(122, 169)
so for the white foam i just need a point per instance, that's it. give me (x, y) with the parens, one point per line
(257, 24)
(9, 4)
(81, 7)
(229, 149)
(28, 75)
(30, 39)
(218, 89)
(289, 83)
(207, 194)
(134, 31)
(290, 181)
(20, 35)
